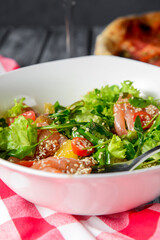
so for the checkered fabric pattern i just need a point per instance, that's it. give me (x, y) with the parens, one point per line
(20, 219)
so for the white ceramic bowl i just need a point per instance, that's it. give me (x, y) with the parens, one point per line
(67, 81)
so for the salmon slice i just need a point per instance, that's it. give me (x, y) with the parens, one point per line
(58, 165)
(119, 119)
(124, 115)
(129, 116)
(65, 165)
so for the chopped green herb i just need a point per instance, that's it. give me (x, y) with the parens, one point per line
(139, 102)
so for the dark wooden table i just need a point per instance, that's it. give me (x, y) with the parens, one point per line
(36, 45)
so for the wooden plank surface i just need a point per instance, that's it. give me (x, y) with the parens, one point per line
(3, 32)
(86, 13)
(56, 45)
(24, 45)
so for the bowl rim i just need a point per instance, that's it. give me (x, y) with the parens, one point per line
(118, 58)
(45, 174)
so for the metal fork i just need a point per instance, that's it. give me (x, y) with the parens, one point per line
(132, 164)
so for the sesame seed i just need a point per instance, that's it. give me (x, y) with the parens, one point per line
(76, 165)
(74, 129)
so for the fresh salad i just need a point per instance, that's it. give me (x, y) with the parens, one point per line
(110, 125)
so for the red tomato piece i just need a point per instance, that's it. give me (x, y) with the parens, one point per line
(29, 114)
(145, 118)
(25, 163)
(78, 144)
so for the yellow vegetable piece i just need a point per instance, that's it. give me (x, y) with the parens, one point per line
(48, 108)
(66, 151)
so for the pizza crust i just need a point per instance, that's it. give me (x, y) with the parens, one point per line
(108, 41)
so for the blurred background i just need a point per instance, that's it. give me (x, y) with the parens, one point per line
(87, 12)
(34, 31)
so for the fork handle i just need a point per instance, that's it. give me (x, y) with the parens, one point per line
(132, 164)
(140, 159)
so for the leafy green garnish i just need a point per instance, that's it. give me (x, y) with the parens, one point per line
(22, 151)
(151, 139)
(3, 123)
(149, 144)
(130, 151)
(116, 148)
(21, 133)
(4, 132)
(3, 155)
(62, 114)
(127, 87)
(102, 156)
(156, 125)
(17, 108)
(57, 107)
(98, 106)
(60, 117)
(138, 102)
(138, 125)
(138, 128)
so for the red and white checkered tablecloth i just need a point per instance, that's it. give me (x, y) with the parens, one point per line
(20, 219)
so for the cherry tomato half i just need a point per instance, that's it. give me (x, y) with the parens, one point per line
(28, 114)
(25, 163)
(145, 118)
(78, 144)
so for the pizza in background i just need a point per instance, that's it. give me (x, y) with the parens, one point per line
(136, 37)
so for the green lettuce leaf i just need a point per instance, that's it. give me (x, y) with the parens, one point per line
(152, 139)
(107, 94)
(127, 87)
(87, 116)
(19, 134)
(116, 148)
(17, 108)
(149, 144)
(98, 105)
